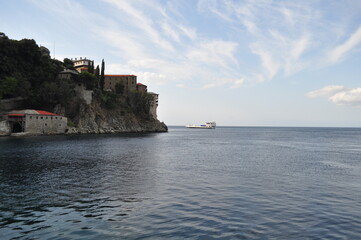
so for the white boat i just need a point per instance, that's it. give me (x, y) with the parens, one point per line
(208, 125)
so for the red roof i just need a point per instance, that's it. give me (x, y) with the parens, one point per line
(31, 112)
(140, 84)
(117, 75)
(46, 113)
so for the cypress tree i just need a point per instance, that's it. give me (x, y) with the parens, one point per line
(102, 75)
(97, 71)
(91, 67)
(97, 75)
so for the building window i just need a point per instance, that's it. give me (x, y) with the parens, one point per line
(46, 124)
(41, 117)
(31, 117)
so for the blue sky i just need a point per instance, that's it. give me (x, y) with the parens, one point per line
(239, 63)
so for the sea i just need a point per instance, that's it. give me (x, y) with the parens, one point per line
(223, 183)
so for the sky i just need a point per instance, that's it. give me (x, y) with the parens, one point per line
(239, 63)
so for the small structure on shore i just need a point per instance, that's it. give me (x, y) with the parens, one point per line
(34, 122)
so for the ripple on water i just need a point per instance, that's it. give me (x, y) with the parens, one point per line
(231, 183)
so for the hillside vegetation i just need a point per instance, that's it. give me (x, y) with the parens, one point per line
(27, 71)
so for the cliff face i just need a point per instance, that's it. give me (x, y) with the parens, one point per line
(95, 119)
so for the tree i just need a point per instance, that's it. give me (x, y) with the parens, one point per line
(44, 52)
(51, 93)
(91, 67)
(88, 79)
(68, 64)
(140, 103)
(101, 82)
(7, 86)
(97, 71)
(2, 35)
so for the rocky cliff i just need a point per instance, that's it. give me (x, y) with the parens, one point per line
(93, 118)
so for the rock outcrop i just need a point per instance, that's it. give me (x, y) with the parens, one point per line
(95, 119)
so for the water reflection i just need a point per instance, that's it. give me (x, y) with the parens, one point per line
(226, 183)
(77, 178)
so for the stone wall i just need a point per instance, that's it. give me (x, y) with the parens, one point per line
(40, 124)
(86, 95)
(128, 81)
(154, 105)
(4, 128)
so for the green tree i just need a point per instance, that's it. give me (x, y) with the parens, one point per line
(44, 51)
(97, 74)
(97, 71)
(68, 64)
(89, 80)
(140, 103)
(51, 93)
(91, 67)
(2, 35)
(101, 81)
(7, 86)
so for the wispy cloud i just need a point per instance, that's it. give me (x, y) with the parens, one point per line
(214, 52)
(212, 43)
(340, 51)
(288, 36)
(339, 95)
(327, 91)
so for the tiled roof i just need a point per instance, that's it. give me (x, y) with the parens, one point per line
(31, 111)
(117, 75)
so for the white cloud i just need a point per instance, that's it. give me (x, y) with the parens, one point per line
(339, 95)
(124, 42)
(254, 41)
(151, 78)
(238, 83)
(170, 31)
(140, 20)
(290, 36)
(299, 46)
(327, 91)
(350, 97)
(270, 65)
(338, 52)
(214, 52)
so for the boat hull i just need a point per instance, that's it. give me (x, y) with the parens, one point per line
(210, 125)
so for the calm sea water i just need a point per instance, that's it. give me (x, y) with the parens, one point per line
(227, 183)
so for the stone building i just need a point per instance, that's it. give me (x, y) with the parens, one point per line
(82, 64)
(128, 81)
(153, 104)
(68, 74)
(141, 88)
(35, 122)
